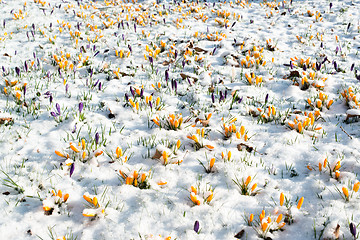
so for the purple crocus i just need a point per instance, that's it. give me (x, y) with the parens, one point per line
(81, 106)
(196, 226)
(330, 5)
(352, 67)
(175, 85)
(66, 88)
(172, 84)
(357, 76)
(213, 52)
(72, 168)
(240, 100)
(266, 98)
(97, 136)
(74, 129)
(353, 229)
(212, 98)
(25, 66)
(126, 97)
(57, 105)
(96, 83)
(132, 91)
(150, 104)
(99, 86)
(318, 66)
(166, 75)
(221, 96)
(151, 60)
(53, 114)
(17, 70)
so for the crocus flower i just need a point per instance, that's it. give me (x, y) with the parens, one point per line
(196, 226)
(353, 229)
(72, 168)
(352, 67)
(166, 75)
(81, 106)
(17, 70)
(57, 105)
(97, 136)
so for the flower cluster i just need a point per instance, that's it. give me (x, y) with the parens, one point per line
(320, 101)
(57, 199)
(172, 122)
(199, 139)
(253, 58)
(244, 186)
(305, 123)
(94, 209)
(199, 195)
(134, 178)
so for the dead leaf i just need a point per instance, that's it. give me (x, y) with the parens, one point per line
(6, 120)
(240, 147)
(239, 234)
(157, 155)
(197, 49)
(294, 74)
(127, 74)
(184, 76)
(165, 63)
(6, 55)
(337, 231)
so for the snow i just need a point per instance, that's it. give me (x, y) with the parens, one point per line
(295, 131)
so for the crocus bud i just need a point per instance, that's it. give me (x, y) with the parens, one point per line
(353, 229)
(97, 136)
(81, 106)
(196, 226)
(57, 105)
(17, 70)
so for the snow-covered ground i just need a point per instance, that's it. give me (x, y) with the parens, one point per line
(179, 120)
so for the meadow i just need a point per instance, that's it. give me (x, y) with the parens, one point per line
(143, 119)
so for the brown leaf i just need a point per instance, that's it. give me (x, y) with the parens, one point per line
(197, 49)
(165, 63)
(6, 55)
(239, 234)
(157, 155)
(127, 74)
(184, 76)
(240, 147)
(337, 231)
(4, 120)
(205, 123)
(294, 74)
